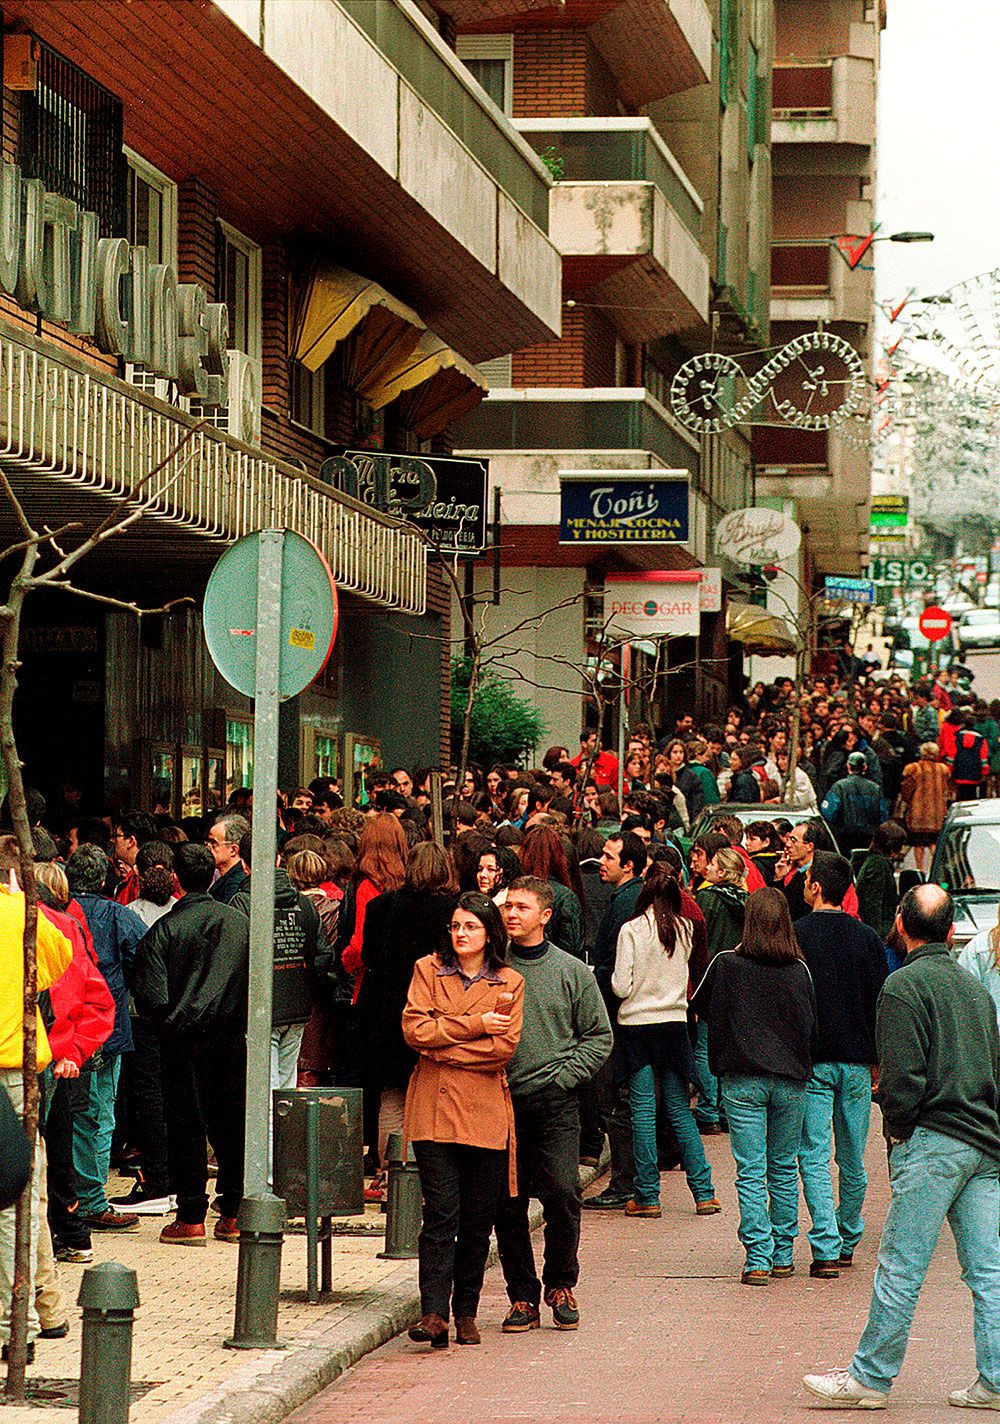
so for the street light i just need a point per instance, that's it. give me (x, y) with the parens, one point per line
(908, 237)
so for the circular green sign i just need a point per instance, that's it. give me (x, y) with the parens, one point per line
(308, 614)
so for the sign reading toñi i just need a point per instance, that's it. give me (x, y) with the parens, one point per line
(623, 507)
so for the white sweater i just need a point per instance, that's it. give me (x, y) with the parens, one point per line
(652, 984)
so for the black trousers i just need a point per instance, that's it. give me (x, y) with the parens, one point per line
(64, 1208)
(204, 1095)
(609, 1088)
(147, 1126)
(461, 1186)
(548, 1154)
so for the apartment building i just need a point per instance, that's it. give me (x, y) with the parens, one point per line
(299, 225)
(823, 138)
(653, 119)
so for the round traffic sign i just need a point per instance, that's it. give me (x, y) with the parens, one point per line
(935, 623)
(309, 614)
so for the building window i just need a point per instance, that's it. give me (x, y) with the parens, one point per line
(151, 210)
(238, 284)
(70, 136)
(239, 754)
(307, 397)
(490, 61)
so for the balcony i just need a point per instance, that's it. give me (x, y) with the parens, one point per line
(394, 155)
(627, 222)
(652, 47)
(811, 282)
(828, 101)
(76, 441)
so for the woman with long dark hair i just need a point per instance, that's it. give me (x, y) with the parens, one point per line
(463, 1019)
(543, 854)
(760, 1006)
(651, 981)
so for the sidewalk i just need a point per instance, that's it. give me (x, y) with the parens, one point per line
(181, 1372)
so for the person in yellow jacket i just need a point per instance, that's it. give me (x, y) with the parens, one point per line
(54, 954)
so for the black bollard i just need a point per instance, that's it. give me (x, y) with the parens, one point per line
(403, 1206)
(261, 1221)
(109, 1294)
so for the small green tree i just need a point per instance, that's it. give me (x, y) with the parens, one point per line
(502, 727)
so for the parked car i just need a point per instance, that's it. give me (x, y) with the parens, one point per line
(979, 628)
(967, 863)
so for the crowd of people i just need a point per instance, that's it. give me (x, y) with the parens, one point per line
(577, 956)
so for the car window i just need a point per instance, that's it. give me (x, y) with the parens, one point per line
(968, 858)
(982, 615)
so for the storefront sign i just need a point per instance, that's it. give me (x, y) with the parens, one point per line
(895, 573)
(652, 605)
(54, 263)
(710, 590)
(890, 515)
(445, 496)
(848, 590)
(757, 536)
(621, 507)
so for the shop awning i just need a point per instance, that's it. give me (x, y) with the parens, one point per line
(335, 305)
(435, 386)
(760, 631)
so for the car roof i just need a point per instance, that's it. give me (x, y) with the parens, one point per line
(985, 812)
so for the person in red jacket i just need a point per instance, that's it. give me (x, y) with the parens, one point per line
(83, 1017)
(732, 827)
(969, 760)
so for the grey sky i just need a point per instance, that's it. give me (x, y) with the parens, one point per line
(939, 100)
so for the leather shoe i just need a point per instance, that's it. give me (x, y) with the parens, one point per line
(466, 1330)
(606, 1201)
(824, 1270)
(431, 1329)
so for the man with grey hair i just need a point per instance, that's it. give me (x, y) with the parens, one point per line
(115, 931)
(939, 1086)
(223, 841)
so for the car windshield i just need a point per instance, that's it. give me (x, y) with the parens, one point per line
(968, 858)
(982, 615)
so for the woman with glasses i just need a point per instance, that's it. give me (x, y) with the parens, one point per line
(463, 1019)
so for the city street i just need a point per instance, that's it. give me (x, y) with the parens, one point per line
(668, 1334)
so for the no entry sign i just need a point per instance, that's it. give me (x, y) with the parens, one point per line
(935, 623)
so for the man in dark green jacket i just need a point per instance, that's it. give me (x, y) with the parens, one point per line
(939, 1088)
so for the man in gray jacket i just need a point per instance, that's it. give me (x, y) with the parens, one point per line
(565, 1039)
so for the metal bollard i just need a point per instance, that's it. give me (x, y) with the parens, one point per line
(109, 1294)
(261, 1221)
(404, 1207)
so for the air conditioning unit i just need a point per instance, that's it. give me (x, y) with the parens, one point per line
(240, 416)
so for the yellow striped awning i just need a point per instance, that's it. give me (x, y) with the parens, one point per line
(435, 386)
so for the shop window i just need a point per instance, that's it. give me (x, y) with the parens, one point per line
(238, 284)
(360, 754)
(70, 136)
(151, 210)
(215, 780)
(192, 782)
(239, 754)
(163, 777)
(307, 397)
(490, 61)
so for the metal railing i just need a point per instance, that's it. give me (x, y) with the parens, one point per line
(84, 428)
(802, 90)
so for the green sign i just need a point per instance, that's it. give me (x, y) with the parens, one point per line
(897, 573)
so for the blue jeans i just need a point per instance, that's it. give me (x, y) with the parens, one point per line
(676, 1105)
(707, 1110)
(838, 1103)
(93, 1127)
(765, 1133)
(934, 1177)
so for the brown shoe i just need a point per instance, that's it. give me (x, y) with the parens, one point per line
(709, 1207)
(111, 1220)
(430, 1330)
(226, 1229)
(781, 1273)
(183, 1233)
(755, 1278)
(523, 1315)
(466, 1331)
(634, 1208)
(824, 1270)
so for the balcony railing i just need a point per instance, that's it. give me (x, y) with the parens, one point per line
(62, 421)
(615, 150)
(802, 91)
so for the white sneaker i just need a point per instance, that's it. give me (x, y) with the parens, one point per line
(842, 1391)
(976, 1396)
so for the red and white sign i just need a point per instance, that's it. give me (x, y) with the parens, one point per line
(935, 623)
(658, 605)
(710, 591)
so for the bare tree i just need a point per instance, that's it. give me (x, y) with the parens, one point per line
(33, 547)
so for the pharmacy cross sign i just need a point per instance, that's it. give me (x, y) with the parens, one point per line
(812, 383)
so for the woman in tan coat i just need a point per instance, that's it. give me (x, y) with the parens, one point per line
(926, 791)
(463, 1017)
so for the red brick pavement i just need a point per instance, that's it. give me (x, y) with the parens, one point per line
(668, 1334)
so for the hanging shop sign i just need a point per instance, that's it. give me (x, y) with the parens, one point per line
(890, 515)
(710, 590)
(897, 573)
(53, 262)
(445, 496)
(653, 605)
(621, 507)
(848, 590)
(757, 536)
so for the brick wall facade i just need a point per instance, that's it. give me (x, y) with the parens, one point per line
(559, 74)
(583, 356)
